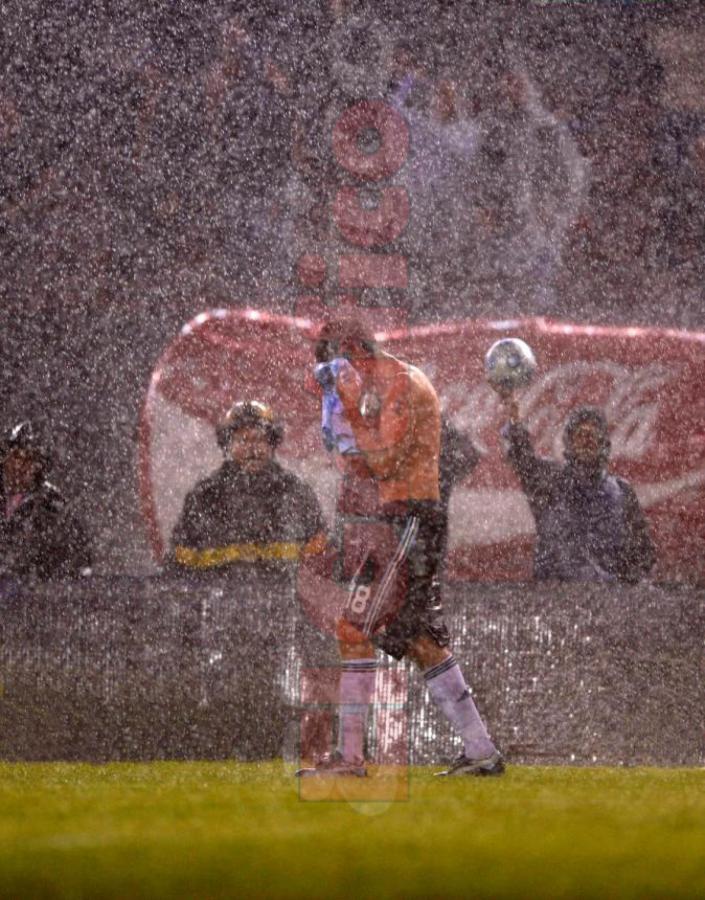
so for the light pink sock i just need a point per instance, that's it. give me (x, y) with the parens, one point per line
(356, 690)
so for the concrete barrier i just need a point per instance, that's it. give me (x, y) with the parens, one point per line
(156, 668)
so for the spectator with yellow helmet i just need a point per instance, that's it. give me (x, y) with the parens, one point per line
(250, 510)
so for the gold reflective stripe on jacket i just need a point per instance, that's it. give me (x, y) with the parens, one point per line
(316, 545)
(218, 556)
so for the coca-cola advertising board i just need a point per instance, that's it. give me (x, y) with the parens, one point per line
(649, 382)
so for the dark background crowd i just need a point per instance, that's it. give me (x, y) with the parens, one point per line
(161, 158)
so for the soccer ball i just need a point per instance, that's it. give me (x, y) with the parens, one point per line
(509, 364)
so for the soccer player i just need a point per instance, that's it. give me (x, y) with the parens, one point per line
(589, 525)
(394, 604)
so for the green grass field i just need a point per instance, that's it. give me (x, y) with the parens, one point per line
(231, 829)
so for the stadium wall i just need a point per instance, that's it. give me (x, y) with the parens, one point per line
(123, 668)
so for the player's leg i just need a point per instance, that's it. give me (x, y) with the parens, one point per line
(358, 669)
(356, 691)
(450, 692)
(421, 632)
(371, 595)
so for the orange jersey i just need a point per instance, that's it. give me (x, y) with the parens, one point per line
(400, 440)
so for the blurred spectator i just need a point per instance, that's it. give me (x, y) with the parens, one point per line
(589, 525)
(40, 535)
(250, 510)
(678, 158)
(439, 176)
(497, 182)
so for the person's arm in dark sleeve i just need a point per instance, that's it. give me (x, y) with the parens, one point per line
(459, 456)
(537, 475)
(184, 537)
(639, 552)
(78, 548)
(314, 530)
(60, 548)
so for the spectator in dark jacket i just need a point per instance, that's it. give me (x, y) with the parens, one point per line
(41, 537)
(250, 510)
(589, 525)
(252, 518)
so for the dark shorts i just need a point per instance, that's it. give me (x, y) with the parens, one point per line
(395, 594)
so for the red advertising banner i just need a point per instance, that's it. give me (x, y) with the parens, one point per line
(648, 381)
